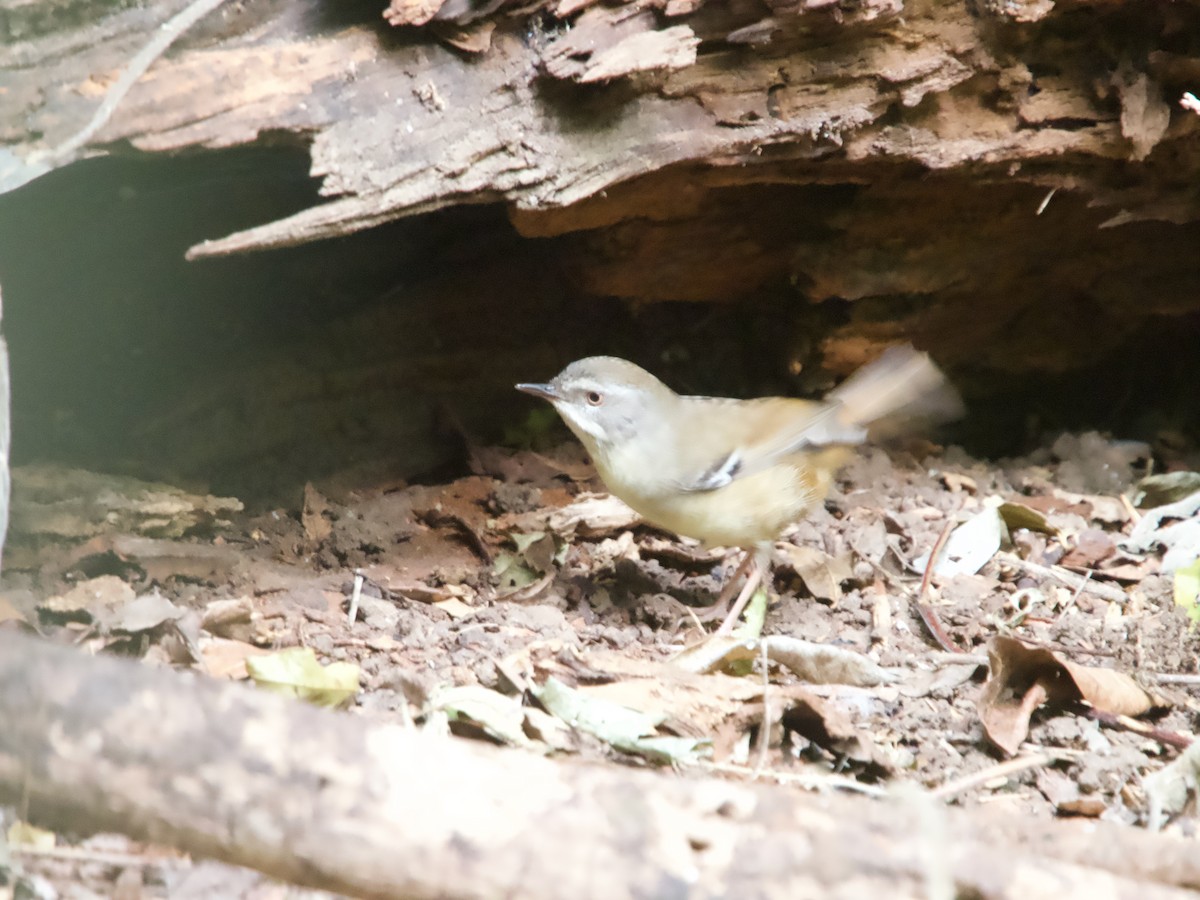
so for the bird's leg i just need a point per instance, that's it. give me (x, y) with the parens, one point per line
(760, 560)
(729, 592)
(707, 614)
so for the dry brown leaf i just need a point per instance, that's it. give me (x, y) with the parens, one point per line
(229, 618)
(1057, 503)
(395, 581)
(411, 12)
(223, 658)
(724, 707)
(1112, 691)
(702, 700)
(821, 573)
(823, 664)
(1131, 573)
(1108, 510)
(476, 39)
(1091, 546)
(957, 483)
(9, 612)
(91, 600)
(1023, 678)
(1006, 716)
(593, 515)
(145, 613)
(164, 559)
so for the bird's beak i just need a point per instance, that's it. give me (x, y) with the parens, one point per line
(545, 391)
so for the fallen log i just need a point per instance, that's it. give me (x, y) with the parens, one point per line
(333, 801)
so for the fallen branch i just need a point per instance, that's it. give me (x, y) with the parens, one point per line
(332, 801)
(1064, 576)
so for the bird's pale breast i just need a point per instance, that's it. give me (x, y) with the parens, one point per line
(748, 511)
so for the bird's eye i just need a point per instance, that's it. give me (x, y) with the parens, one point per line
(595, 398)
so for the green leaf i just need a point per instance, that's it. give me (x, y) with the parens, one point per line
(1187, 589)
(501, 717)
(525, 541)
(754, 617)
(295, 672)
(512, 572)
(624, 728)
(1018, 515)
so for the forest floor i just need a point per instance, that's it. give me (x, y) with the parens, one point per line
(521, 605)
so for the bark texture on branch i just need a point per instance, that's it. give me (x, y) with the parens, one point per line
(960, 156)
(560, 103)
(331, 801)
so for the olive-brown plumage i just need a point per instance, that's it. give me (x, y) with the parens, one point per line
(730, 472)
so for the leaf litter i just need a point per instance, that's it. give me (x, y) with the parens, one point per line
(523, 605)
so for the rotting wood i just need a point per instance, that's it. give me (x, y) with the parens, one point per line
(333, 801)
(398, 129)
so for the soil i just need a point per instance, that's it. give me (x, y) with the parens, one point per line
(501, 578)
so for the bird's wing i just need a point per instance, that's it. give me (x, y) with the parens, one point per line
(759, 433)
(776, 426)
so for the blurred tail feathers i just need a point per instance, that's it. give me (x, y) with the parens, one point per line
(900, 391)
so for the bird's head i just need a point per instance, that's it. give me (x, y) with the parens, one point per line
(605, 400)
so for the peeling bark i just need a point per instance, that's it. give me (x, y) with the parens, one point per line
(402, 129)
(985, 161)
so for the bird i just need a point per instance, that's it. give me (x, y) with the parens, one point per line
(728, 472)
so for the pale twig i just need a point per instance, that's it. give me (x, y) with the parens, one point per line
(1170, 678)
(1133, 512)
(1176, 739)
(355, 596)
(941, 659)
(699, 626)
(1070, 579)
(806, 780)
(1000, 770)
(1074, 596)
(927, 613)
(754, 578)
(104, 857)
(166, 35)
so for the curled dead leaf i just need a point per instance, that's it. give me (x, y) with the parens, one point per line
(1023, 678)
(821, 573)
(809, 661)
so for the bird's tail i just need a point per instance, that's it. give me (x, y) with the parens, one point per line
(900, 390)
